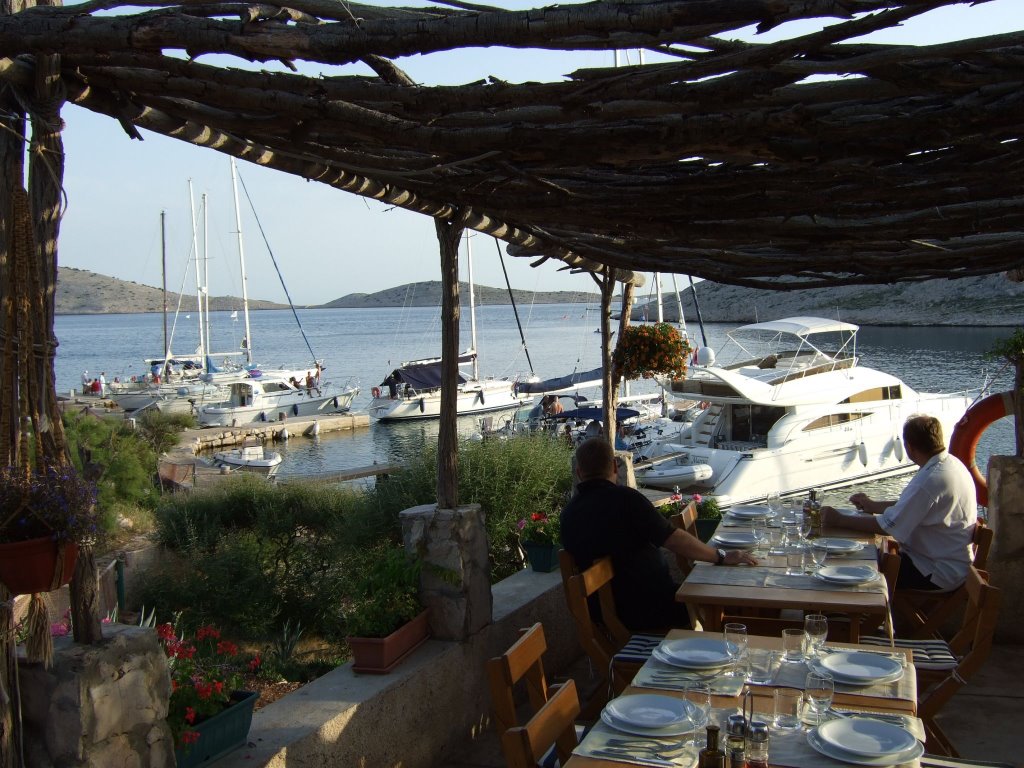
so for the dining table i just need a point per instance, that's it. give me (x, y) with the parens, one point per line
(713, 592)
(605, 746)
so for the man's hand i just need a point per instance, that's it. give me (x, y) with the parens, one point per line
(739, 557)
(860, 501)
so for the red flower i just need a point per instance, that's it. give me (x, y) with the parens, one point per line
(165, 632)
(254, 664)
(204, 691)
(181, 650)
(190, 715)
(218, 687)
(227, 648)
(538, 517)
(189, 737)
(208, 631)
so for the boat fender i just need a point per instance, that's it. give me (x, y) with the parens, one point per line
(335, 402)
(480, 394)
(423, 405)
(314, 429)
(283, 435)
(263, 415)
(897, 448)
(964, 441)
(295, 409)
(375, 392)
(862, 453)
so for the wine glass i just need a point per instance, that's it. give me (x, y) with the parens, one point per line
(816, 630)
(805, 524)
(819, 553)
(699, 696)
(735, 642)
(759, 532)
(819, 688)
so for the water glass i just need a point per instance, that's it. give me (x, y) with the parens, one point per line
(774, 502)
(787, 708)
(776, 541)
(793, 645)
(699, 695)
(761, 665)
(816, 630)
(819, 689)
(794, 558)
(735, 636)
(819, 553)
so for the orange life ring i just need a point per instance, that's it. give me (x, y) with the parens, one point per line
(964, 440)
(375, 391)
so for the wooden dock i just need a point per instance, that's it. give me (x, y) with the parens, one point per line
(215, 438)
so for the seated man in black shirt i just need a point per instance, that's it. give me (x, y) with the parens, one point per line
(605, 518)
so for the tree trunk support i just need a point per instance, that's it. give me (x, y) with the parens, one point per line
(449, 233)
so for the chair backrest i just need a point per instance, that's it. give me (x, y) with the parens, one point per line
(982, 541)
(600, 639)
(685, 521)
(552, 725)
(889, 566)
(972, 643)
(520, 662)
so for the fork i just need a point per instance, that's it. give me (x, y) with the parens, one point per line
(662, 751)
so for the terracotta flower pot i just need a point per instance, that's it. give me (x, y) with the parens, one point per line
(29, 566)
(379, 655)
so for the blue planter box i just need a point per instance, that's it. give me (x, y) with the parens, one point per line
(218, 735)
(543, 557)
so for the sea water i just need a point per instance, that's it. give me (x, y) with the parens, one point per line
(361, 346)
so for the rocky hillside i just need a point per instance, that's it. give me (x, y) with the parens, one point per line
(81, 292)
(428, 294)
(990, 300)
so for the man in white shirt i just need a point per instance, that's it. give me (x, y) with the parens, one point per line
(934, 518)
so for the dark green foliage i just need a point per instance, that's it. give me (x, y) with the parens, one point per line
(383, 592)
(161, 430)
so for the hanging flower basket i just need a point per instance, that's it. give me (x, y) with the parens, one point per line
(644, 351)
(32, 566)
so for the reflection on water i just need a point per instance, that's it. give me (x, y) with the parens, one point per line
(362, 345)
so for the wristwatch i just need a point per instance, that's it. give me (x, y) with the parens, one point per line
(721, 556)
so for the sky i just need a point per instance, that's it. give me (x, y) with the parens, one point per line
(330, 243)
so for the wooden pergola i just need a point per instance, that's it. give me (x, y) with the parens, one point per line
(812, 158)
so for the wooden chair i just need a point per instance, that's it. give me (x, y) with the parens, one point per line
(520, 662)
(685, 521)
(615, 654)
(553, 726)
(943, 668)
(926, 612)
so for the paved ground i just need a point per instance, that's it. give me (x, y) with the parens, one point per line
(984, 719)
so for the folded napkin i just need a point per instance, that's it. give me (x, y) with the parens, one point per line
(660, 753)
(790, 748)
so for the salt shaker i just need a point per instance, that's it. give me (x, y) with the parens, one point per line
(757, 744)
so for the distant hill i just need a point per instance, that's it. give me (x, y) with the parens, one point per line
(81, 292)
(992, 300)
(428, 294)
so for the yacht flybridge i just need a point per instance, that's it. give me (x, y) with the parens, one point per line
(779, 413)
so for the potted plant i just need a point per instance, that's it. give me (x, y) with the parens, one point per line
(540, 535)
(44, 515)
(384, 618)
(708, 516)
(645, 350)
(209, 714)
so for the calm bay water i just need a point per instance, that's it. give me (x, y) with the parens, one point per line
(362, 345)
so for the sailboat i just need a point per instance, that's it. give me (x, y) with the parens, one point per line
(413, 390)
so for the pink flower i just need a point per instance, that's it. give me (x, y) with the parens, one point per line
(60, 629)
(697, 499)
(521, 524)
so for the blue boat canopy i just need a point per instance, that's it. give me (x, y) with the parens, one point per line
(560, 382)
(423, 374)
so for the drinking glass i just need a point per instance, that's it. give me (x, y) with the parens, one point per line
(794, 558)
(761, 665)
(819, 689)
(774, 502)
(816, 630)
(793, 645)
(735, 636)
(759, 530)
(699, 695)
(819, 553)
(786, 708)
(805, 524)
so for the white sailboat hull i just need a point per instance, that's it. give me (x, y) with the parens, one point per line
(473, 397)
(276, 406)
(248, 459)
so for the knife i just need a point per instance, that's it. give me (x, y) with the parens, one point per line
(627, 757)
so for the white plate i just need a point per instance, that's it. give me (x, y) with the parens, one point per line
(695, 652)
(735, 539)
(855, 666)
(680, 729)
(848, 574)
(649, 710)
(842, 755)
(750, 511)
(839, 546)
(866, 736)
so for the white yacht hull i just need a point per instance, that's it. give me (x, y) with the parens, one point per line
(277, 407)
(267, 465)
(474, 397)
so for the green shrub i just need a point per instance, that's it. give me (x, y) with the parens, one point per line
(122, 463)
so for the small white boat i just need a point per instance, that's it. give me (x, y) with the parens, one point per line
(779, 413)
(250, 458)
(275, 399)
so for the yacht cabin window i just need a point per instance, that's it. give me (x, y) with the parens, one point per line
(833, 420)
(875, 394)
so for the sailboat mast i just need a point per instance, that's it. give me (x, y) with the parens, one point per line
(657, 289)
(206, 269)
(472, 306)
(163, 272)
(241, 262)
(199, 274)
(679, 304)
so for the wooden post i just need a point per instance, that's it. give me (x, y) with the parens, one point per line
(448, 236)
(607, 283)
(628, 291)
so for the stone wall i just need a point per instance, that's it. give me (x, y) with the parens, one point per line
(99, 706)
